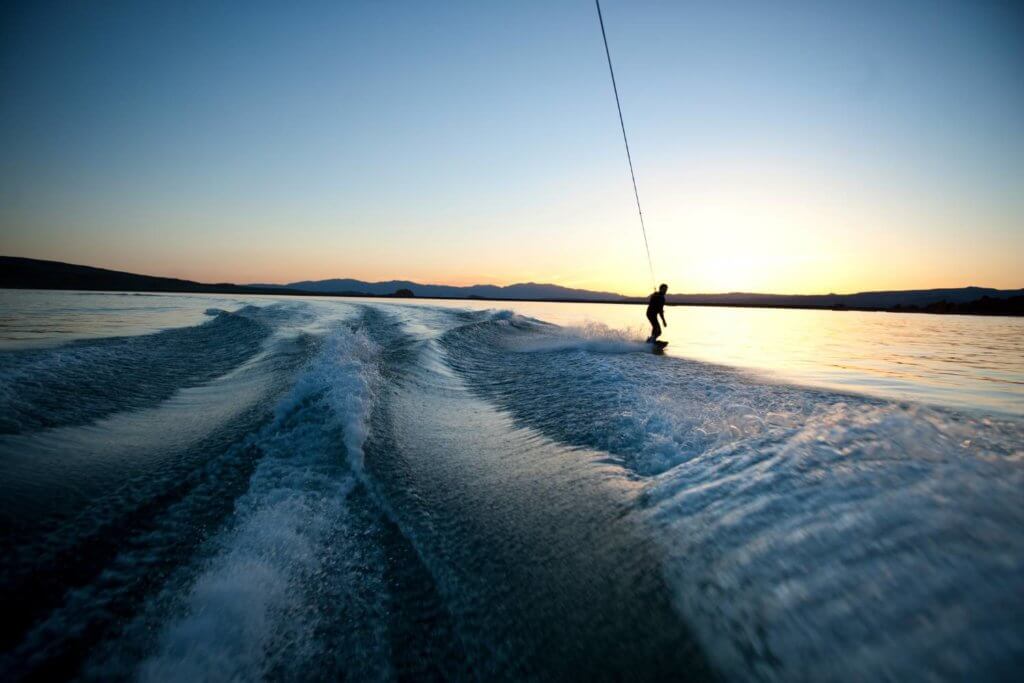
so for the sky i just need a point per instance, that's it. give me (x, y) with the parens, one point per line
(779, 147)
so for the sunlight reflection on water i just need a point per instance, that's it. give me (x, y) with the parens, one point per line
(970, 362)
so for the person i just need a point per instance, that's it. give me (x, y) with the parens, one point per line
(656, 307)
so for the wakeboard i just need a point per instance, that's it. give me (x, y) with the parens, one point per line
(659, 346)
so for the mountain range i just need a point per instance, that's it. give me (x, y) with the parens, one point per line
(906, 299)
(524, 290)
(26, 273)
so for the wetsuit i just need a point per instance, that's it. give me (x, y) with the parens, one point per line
(655, 307)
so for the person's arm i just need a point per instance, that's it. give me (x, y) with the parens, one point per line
(664, 322)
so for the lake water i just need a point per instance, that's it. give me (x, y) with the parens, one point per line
(970, 362)
(206, 486)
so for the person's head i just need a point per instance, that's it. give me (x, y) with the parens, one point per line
(663, 288)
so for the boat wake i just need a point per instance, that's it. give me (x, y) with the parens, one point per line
(378, 492)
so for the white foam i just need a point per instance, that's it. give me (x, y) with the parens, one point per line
(249, 594)
(591, 337)
(869, 542)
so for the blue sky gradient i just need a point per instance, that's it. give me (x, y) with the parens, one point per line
(790, 147)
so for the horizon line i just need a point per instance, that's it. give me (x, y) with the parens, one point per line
(515, 284)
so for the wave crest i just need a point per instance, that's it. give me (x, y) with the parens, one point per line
(243, 604)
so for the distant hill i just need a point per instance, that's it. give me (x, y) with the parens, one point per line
(26, 273)
(919, 298)
(889, 300)
(527, 290)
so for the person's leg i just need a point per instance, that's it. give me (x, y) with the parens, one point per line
(655, 328)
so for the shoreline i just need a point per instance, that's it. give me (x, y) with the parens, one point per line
(260, 291)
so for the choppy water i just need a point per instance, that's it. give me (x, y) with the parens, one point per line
(207, 487)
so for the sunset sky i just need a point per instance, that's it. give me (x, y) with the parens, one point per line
(779, 147)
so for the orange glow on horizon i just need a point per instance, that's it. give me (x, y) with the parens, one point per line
(724, 229)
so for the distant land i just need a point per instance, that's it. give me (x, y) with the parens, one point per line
(26, 273)
(526, 290)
